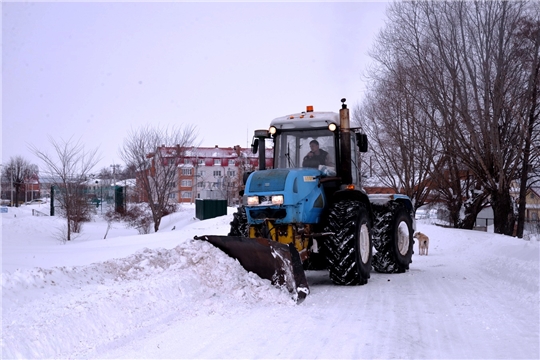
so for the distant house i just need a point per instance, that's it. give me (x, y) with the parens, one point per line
(30, 189)
(532, 202)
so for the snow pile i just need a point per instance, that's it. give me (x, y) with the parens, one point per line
(79, 308)
(513, 262)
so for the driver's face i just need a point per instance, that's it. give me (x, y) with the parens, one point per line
(314, 147)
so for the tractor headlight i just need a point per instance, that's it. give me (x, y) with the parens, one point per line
(277, 200)
(253, 200)
(332, 127)
(272, 130)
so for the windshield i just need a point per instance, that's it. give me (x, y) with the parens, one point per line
(312, 148)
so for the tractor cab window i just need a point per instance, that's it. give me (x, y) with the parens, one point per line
(313, 149)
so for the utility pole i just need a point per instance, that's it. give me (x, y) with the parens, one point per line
(114, 183)
(194, 185)
(11, 186)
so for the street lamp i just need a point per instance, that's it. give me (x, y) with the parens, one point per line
(101, 198)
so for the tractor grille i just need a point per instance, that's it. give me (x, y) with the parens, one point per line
(268, 180)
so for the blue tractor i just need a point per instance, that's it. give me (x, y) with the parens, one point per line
(310, 212)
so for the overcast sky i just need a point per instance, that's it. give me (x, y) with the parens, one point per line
(92, 71)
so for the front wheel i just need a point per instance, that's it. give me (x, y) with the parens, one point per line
(349, 247)
(239, 224)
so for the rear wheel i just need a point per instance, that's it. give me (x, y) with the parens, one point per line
(394, 241)
(348, 248)
(239, 224)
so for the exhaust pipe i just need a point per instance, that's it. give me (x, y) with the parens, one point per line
(260, 144)
(345, 143)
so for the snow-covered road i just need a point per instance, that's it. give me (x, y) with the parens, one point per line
(468, 299)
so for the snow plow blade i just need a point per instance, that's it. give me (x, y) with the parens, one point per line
(269, 259)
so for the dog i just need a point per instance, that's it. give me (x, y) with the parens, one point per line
(423, 242)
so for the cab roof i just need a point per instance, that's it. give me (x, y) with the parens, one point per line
(306, 120)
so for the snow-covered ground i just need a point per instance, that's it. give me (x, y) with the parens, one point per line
(165, 295)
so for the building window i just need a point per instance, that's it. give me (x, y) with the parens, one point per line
(201, 173)
(186, 161)
(217, 173)
(200, 162)
(217, 162)
(231, 162)
(186, 183)
(172, 196)
(186, 194)
(186, 171)
(231, 173)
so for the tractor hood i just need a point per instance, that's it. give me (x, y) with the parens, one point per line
(284, 195)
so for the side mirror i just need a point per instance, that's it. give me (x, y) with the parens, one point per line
(362, 142)
(255, 145)
(245, 176)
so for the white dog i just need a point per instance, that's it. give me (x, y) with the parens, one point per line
(423, 243)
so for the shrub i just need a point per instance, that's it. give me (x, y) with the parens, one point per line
(135, 216)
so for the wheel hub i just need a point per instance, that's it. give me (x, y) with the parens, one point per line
(403, 238)
(364, 243)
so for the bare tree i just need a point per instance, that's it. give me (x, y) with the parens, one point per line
(529, 38)
(69, 168)
(127, 172)
(244, 167)
(486, 79)
(156, 153)
(463, 62)
(18, 172)
(105, 173)
(390, 118)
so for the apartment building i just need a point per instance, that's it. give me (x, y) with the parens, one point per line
(215, 172)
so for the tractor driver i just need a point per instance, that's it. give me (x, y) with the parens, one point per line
(316, 156)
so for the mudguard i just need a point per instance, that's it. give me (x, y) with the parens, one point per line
(269, 259)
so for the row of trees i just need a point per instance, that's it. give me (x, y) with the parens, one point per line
(69, 166)
(23, 177)
(453, 105)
